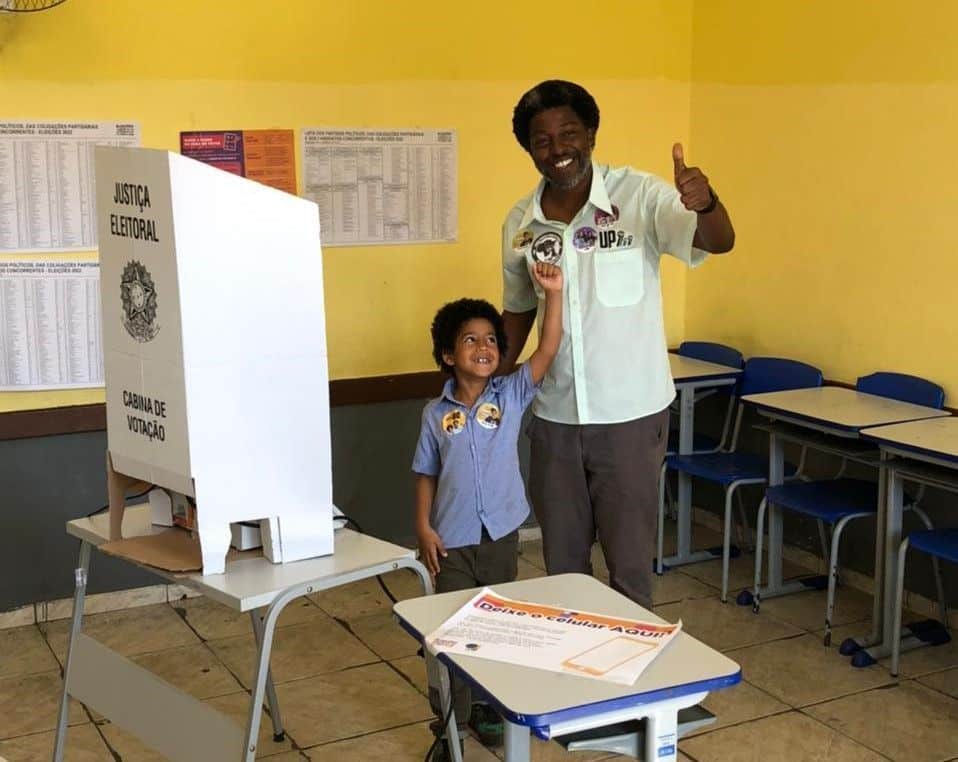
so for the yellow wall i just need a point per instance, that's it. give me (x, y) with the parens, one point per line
(829, 128)
(176, 65)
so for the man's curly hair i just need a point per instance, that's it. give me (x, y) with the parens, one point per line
(553, 93)
(452, 317)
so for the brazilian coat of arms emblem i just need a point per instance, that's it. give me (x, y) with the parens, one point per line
(138, 294)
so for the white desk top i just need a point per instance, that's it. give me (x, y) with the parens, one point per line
(839, 407)
(937, 436)
(250, 583)
(538, 698)
(690, 369)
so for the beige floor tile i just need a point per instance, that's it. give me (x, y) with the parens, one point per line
(741, 703)
(236, 707)
(287, 756)
(923, 661)
(192, 669)
(724, 625)
(403, 584)
(807, 609)
(741, 573)
(356, 599)
(674, 586)
(408, 743)
(858, 630)
(349, 703)
(792, 737)
(83, 744)
(382, 634)
(917, 723)
(214, 620)
(414, 669)
(300, 650)
(802, 671)
(129, 632)
(23, 651)
(30, 704)
(944, 682)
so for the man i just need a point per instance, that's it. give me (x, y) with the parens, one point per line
(600, 424)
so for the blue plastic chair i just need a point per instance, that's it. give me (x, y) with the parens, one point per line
(720, 354)
(841, 500)
(938, 543)
(734, 469)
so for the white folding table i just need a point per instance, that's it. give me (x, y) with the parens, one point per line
(134, 698)
(925, 452)
(552, 704)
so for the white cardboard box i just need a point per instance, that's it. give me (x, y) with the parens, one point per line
(215, 347)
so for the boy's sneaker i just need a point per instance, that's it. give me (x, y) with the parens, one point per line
(487, 724)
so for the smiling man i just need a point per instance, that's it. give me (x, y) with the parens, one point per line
(600, 423)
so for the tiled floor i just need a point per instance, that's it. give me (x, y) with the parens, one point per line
(352, 688)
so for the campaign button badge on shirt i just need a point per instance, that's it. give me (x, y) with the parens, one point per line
(584, 239)
(453, 422)
(488, 416)
(547, 248)
(521, 240)
(604, 220)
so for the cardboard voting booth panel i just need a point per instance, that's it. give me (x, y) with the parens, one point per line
(215, 349)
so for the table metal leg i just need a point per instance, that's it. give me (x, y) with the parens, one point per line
(683, 547)
(79, 597)
(893, 510)
(661, 736)
(880, 619)
(256, 617)
(518, 743)
(268, 625)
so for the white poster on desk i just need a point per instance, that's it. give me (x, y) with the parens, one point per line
(583, 643)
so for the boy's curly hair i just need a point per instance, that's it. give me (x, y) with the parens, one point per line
(553, 93)
(452, 317)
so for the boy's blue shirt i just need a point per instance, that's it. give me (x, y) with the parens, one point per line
(474, 454)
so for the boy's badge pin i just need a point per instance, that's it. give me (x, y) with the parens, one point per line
(488, 416)
(521, 240)
(453, 422)
(547, 248)
(585, 239)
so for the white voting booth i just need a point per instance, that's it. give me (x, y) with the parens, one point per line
(215, 349)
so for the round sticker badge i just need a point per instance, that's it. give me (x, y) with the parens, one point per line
(547, 248)
(605, 220)
(585, 239)
(488, 416)
(521, 240)
(453, 422)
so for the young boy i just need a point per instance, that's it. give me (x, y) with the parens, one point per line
(470, 498)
